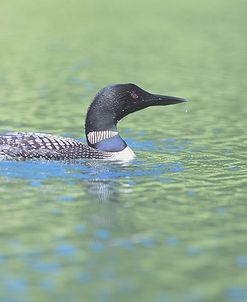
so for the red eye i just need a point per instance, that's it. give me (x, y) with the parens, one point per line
(134, 95)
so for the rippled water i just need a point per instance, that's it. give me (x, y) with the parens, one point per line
(170, 226)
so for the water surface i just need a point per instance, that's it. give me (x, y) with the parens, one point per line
(170, 226)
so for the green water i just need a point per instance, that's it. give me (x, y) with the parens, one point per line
(172, 225)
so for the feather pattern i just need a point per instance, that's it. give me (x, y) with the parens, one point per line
(25, 145)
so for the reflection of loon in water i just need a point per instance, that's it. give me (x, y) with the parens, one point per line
(103, 190)
(108, 107)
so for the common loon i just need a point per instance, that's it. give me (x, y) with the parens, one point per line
(108, 107)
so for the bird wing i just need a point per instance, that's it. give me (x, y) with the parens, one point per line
(28, 145)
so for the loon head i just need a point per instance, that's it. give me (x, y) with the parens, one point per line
(119, 100)
(110, 105)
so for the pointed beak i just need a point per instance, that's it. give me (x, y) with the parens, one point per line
(163, 100)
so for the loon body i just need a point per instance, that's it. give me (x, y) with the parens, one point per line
(108, 107)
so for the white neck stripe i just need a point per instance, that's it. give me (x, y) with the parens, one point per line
(97, 136)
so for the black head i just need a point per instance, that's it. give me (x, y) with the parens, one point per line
(114, 102)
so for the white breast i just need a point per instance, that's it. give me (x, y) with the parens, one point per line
(125, 155)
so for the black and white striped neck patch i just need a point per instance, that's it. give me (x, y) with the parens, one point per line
(97, 136)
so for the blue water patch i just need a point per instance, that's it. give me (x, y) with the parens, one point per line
(126, 286)
(102, 295)
(126, 244)
(14, 243)
(46, 267)
(35, 183)
(83, 277)
(38, 171)
(170, 167)
(16, 285)
(237, 293)
(107, 275)
(66, 198)
(80, 228)
(190, 193)
(147, 242)
(172, 145)
(233, 168)
(96, 246)
(47, 284)
(241, 261)
(2, 258)
(220, 211)
(171, 241)
(35, 170)
(168, 145)
(65, 250)
(146, 145)
(170, 140)
(193, 250)
(165, 180)
(102, 234)
(55, 211)
(162, 297)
